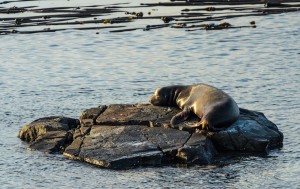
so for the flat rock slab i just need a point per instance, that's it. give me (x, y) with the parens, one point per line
(123, 147)
(136, 114)
(122, 136)
(166, 139)
(116, 147)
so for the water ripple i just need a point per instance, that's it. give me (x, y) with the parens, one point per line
(66, 72)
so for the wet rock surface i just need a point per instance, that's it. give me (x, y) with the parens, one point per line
(197, 150)
(116, 147)
(49, 134)
(122, 136)
(252, 132)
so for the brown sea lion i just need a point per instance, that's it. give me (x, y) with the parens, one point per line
(214, 107)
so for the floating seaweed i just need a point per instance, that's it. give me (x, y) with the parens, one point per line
(33, 19)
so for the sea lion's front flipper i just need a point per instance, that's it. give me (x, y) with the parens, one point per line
(180, 117)
(203, 124)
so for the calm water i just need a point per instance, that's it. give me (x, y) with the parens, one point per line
(63, 73)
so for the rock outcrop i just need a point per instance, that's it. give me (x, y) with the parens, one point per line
(252, 132)
(49, 134)
(122, 136)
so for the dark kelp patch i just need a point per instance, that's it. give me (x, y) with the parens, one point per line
(17, 20)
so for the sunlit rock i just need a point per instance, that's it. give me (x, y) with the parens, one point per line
(122, 136)
(49, 134)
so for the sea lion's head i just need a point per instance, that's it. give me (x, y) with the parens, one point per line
(159, 98)
(164, 96)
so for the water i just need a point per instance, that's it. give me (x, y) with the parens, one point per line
(63, 73)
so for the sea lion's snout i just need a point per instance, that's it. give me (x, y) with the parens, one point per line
(150, 100)
(154, 100)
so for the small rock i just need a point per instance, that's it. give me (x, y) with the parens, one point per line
(134, 114)
(89, 116)
(50, 134)
(252, 132)
(197, 150)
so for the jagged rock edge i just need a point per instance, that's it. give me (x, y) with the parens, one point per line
(174, 148)
(102, 110)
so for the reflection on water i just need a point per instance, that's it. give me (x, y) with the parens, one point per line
(63, 73)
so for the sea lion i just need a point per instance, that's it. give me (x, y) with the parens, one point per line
(214, 107)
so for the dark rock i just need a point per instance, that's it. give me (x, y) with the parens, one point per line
(136, 114)
(116, 147)
(52, 142)
(143, 114)
(89, 116)
(167, 140)
(122, 147)
(198, 150)
(252, 132)
(123, 136)
(50, 134)
(73, 150)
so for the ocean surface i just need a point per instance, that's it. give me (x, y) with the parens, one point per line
(63, 73)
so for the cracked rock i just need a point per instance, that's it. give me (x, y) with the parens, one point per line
(197, 150)
(252, 132)
(123, 136)
(167, 140)
(49, 134)
(115, 147)
(136, 114)
(88, 117)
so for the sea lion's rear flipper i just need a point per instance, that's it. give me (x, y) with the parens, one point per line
(180, 117)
